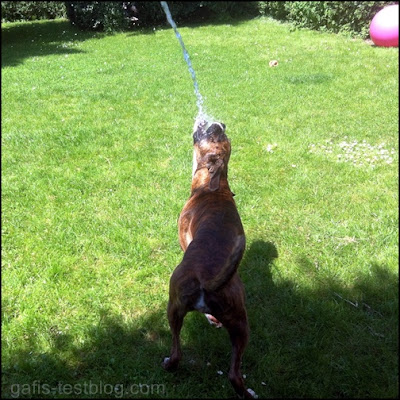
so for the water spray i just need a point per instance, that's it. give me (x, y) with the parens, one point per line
(201, 116)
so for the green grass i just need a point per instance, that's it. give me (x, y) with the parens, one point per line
(96, 166)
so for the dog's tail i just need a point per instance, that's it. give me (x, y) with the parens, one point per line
(229, 268)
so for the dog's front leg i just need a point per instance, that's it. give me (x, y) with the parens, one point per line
(175, 318)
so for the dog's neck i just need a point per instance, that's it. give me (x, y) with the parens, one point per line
(201, 180)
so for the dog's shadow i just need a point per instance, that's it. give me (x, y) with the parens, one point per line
(255, 272)
(297, 318)
(255, 268)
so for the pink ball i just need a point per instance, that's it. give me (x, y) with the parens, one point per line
(384, 28)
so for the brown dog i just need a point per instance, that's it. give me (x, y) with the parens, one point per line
(212, 237)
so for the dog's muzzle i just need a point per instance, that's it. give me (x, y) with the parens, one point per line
(215, 132)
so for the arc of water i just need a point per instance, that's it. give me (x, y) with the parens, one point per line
(199, 102)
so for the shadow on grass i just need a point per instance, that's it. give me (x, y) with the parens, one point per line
(55, 37)
(309, 79)
(193, 23)
(38, 39)
(115, 357)
(325, 341)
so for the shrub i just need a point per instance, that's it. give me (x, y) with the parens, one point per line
(274, 9)
(352, 17)
(112, 15)
(99, 15)
(12, 11)
(187, 11)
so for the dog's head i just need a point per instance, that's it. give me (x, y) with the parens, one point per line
(212, 150)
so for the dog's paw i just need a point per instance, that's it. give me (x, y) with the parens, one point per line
(170, 365)
(252, 394)
(165, 363)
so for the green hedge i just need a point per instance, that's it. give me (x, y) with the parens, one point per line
(352, 17)
(12, 11)
(98, 15)
(111, 15)
(118, 15)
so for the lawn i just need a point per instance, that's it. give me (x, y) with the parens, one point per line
(96, 166)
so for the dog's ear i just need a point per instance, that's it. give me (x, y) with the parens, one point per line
(215, 170)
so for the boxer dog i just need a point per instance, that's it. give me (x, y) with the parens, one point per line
(213, 240)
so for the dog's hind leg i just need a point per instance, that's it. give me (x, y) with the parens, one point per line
(239, 338)
(239, 335)
(175, 318)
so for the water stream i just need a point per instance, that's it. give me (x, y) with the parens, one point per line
(201, 116)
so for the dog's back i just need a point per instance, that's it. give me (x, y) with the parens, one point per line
(218, 238)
